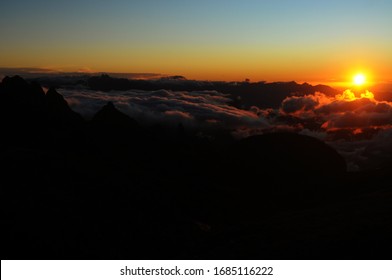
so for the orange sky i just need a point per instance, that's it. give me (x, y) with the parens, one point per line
(280, 41)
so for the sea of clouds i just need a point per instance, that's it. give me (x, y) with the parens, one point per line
(356, 124)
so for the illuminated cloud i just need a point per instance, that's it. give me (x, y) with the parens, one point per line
(356, 124)
(297, 103)
(346, 110)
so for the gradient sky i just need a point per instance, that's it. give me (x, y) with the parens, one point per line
(202, 39)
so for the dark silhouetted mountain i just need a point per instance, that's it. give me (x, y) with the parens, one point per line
(18, 93)
(110, 115)
(177, 77)
(288, 170)
(111, 189)
(115, 131)
(28, 115)
(15, 84)
(59, 112)
(23, 112)
(271, 95)
(106, 83)
(260, 94)
(287, 153)
(61, 81)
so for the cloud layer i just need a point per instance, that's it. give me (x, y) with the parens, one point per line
(204, 108)
(356, 124)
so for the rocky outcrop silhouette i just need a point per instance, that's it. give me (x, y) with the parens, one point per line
(23, 112)
(59, 112)
(29, 116)
(115, 133)
(109, 115)
(17, 95)
(111, 125)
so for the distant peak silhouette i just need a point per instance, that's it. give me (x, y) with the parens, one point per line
(52, 93)
(110, 115)
(17, 87)
(56, 101)
(59, 111)
(110, 106)
(16, 81)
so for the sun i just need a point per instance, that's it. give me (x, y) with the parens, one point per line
(359, 79)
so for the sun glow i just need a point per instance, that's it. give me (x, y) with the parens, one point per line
(359, 79)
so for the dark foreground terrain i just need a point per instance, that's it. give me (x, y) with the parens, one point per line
(111, 189)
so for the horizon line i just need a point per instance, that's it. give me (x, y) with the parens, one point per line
(4, 71)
